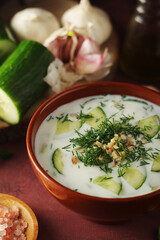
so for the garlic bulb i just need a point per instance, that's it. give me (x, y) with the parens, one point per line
(76, 58)
(88, 20)
(34, 24)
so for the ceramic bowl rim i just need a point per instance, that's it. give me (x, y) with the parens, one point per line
(38, 167)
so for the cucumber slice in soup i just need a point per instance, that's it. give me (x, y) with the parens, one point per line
(156, 164)
(57, 160)
(67, 126)
(150, 125)
(134, 177)
(98, 116)
(153, 179)
(109, 184)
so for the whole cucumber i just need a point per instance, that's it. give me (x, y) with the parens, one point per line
(21, 79)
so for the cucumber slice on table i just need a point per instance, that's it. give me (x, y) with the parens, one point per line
(21, 79)
(66, 126)
(156, 164)
(109, 184)
(57, 160)
(7, 43)
(7, 46)
(98, 116)
(150, 125)
(134, 177)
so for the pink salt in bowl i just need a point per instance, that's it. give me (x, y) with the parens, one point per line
(24, 213)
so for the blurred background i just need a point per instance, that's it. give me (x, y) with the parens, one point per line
(141, 63)
(119, 10)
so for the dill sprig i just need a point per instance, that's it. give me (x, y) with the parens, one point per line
(124, 98)
(82, 116)
(94, 155)
(91, 158)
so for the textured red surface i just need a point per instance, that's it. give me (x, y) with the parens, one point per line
(57, 222)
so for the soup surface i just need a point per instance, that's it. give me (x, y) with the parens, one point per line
(106, 146)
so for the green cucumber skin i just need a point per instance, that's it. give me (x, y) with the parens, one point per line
(21, 75)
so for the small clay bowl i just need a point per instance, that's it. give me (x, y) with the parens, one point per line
(105, 210)
(26, 214)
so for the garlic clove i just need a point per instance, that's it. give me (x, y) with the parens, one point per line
(89, 47)
(89, 58)
(61, 32)
(86, 64)
(77, 59)
(88, 21)
(57, 46)
(34, 24)
(64, 44)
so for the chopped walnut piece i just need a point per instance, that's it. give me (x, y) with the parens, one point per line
(123, 137)
(99, 144)
(74, 159)
(130, 148)
(80, 150)
(74, 115)
(143, 140)
(100, 158)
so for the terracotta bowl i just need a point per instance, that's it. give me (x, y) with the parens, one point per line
(105, 210)
(26, 213)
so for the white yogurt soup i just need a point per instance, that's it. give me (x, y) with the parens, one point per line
(106, 146)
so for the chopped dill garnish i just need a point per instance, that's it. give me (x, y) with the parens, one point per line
(143, 162)
(118, 105)
(82, 116)
(90, 147)
(65, 118)
(149, 108)
(49, 118)
(87, 101)
(61, 116)
(66, 147)
(102, 104)
(134, 100)
(106, 178)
